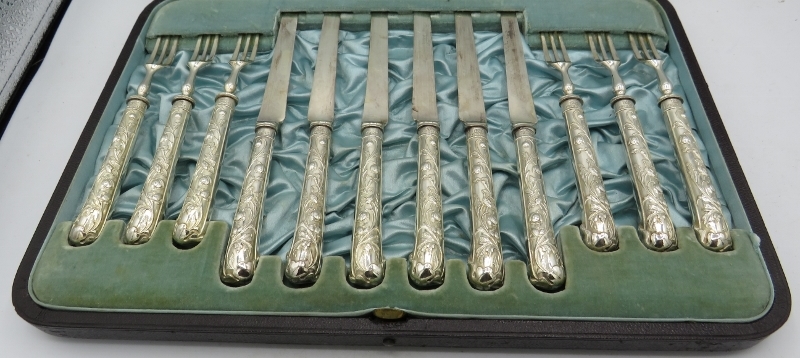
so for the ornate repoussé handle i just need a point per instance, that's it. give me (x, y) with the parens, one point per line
(708, 221)
(486, 270)
(599, 231)
(366, 259)
(94, 213)
(239, 262)
(655, 224)
(547, 267)
(155, 191)
(304, 259)
(426, 266)
(192, 220)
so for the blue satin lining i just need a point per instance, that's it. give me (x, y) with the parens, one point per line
(400, 144)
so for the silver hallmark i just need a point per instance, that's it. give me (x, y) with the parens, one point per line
(366, 255)
(708, 222)
(486, 271)
(597, 227)
(655, 224)
(546, 269)
(426, 262)
(304, 259)
(192, 220)
(97, 207)
(152, 202)
(241, 257)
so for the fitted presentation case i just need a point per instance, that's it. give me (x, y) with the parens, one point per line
(632, 298)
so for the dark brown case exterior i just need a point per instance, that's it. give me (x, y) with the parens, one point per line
(410, 331)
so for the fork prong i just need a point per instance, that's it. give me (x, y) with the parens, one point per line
(255, 48)
(603, 52)
(612, 48)
(207, 42)
(243, 54)
(235, 56)
(544, 48)
(155, 50)
(563, 48)
(213, 48)
(634, 47)
(592, 47)
(645, 49)
(196, 48)
(555, 49)
(162, 51)
(653, 47)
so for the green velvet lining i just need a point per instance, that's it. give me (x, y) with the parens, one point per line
(633, 283)
(190, 18)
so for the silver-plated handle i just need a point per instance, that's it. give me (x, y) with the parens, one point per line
(486, 270)
(426, 263)
(94, 213)
(366, 257)
(598, 229)
(240, 258)
(709, 223)
(191, 224)
(544, 252)
(155, 191)
(304, 259)
(655, 224)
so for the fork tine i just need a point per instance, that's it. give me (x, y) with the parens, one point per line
(563, 48)
(653, 47)
(645, 49)
(612, 48)
(196, 48)
(246, 47)
(235, 56)
(163, 51)
(544, 48)
(172, 51)
(591, 46)
(603, 52)
(213, 48)
(207, 41)
(634, 47)
(155, 50)
(255, 48)
(555, 49)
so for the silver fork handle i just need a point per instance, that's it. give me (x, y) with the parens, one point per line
(655, 224)
(547, 266)
(192, 220)
(94, 213)
(599, 231)
(426, 263)
(366, 258)
(486, 270)
(304, 259)
(709, 223)
(155, 191)
(240, 259)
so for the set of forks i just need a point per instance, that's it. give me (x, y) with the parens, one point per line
(426, 262)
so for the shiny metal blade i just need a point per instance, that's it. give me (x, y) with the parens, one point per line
(273, 105)
(376, 101)
(320, 107)
(423, 108)
(520, 99)
(471, 109)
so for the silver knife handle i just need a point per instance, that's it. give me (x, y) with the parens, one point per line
(94, 213)
(366, 258)
(486, 270)
(655, 224)
(547, 265)
(240, 258)
(191, 223)
(155, 191)
(304, 259)
(426, 263)
(598, 229)
(709, 223)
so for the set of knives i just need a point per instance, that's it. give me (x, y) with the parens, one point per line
(426, 262)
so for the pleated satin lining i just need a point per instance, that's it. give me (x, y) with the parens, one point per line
(593, 84)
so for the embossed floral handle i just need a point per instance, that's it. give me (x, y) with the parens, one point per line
(155, 191)
(655, 224)
(708, 222)
(544, 252)
(486, 270)
(366, 259)
(597, 226)
(192, 220)
(241, 257)
(304, 259)
(426, 266)
(94, 213)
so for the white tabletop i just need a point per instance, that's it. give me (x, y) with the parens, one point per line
(745, 49)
